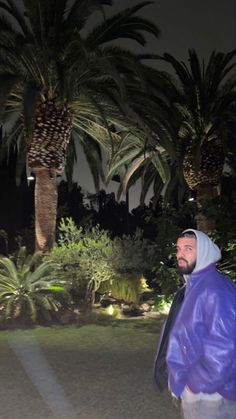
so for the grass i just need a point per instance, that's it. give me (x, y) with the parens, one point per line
(95, 371)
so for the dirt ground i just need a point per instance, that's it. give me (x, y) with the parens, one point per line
(92, 371)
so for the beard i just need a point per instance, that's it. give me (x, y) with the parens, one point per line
(188, 268)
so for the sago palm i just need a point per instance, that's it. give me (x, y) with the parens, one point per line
(26, 292)
(61, 81)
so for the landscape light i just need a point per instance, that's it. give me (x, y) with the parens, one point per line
(110, 310)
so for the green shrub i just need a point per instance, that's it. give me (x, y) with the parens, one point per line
(68, 269)
(89, 260)
(28, 293)
(163, 303)
(133, 256)
(134, 253)
(126, 287)
(168, 279)
(84, 259)
(227, 264)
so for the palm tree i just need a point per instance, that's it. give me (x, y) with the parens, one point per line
(192, 133)
(206, 97)
(60, 82)
(26, 292)
(149, 152)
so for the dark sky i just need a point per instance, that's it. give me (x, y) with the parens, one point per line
(200, 24)
(205, 25)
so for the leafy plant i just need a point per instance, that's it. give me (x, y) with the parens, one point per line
(163, 303)
(126, 287)
(167, 280)
(28, 293)
(133, 257)
(134, 253)
(84, 259)
(69, 233)
(89, 260)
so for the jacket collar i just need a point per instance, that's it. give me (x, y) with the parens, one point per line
(200, 275)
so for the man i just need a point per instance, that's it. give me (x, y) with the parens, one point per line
(201, 353)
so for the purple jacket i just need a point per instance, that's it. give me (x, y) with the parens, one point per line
(202, 344)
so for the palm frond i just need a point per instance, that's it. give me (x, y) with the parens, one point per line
(123, 25)
(81, 10)
(161, 164)
(28, 307)
(148, 176)
(7, 81)
(71, 159)
(133, 167)
(7, 267)
(9, 307)
(93, 156)
(42, 272)
(181, 71)
(95, 130)
(119, 161)
(195, 67)
(16, 13)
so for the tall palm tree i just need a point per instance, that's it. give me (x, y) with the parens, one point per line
(194, 125)
(206, 96)
(60, 82)
(149, 152)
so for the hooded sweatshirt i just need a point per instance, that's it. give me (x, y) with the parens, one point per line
(201, 351)
(207, 251)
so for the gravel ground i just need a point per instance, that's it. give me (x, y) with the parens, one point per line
(94, 371)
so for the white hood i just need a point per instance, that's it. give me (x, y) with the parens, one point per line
(207, 251)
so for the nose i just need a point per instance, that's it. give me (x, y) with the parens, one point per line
(179, 253)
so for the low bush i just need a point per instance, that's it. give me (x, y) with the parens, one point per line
(84, 260)
(89, 260)
(126, 287)
(28, 294)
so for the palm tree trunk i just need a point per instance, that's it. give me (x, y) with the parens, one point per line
(205, 193)
(45, 208)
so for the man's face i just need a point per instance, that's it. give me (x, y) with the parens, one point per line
(186, 254)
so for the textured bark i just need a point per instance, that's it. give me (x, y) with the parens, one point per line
(51, 135)
(205, 180)
(204, 193)
(204, 224)
(46, 154)
(210, 168)
(45, 208)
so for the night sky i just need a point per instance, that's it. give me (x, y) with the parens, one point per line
(205, 25)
